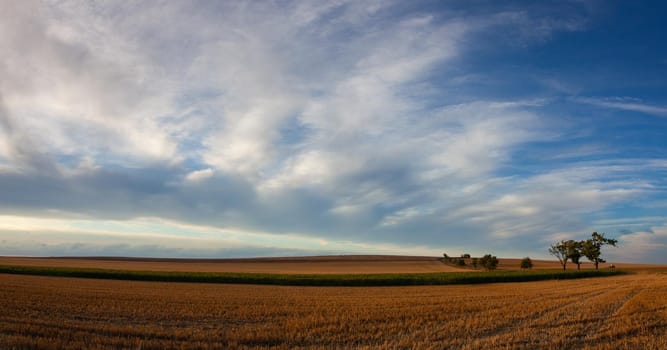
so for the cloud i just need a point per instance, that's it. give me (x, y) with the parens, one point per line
(345, 121)
(625, 104)
(76, 82)
(23, 235)
(641, 246)
(199, 175)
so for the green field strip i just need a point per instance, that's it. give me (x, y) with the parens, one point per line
(398, 279)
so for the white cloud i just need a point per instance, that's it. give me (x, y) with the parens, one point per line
(313, 168)
(626, 104)
(68, 83)
(199, 175)
(641, 246)
(404, 215)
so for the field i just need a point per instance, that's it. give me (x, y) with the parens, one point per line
(304, 271)
(292, 265)
(371, 264)
(621, 311)
(603, 313)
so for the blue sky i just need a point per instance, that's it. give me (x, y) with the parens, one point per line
(227, 129)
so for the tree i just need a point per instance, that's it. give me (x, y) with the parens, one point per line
(574, 251)
(489, 262)
(560, 250)
(592, 248)
(461, 262)
(475, 262)
(526, 263)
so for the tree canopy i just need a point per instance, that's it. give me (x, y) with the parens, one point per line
(489, 262)
(592, 248)
(526, 263)
(574, 249)
(560, 250)
(571, 250)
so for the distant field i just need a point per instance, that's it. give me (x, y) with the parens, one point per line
(604, 313)
(296, 265)
(371, 264)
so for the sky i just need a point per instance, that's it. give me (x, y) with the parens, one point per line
(275, 128)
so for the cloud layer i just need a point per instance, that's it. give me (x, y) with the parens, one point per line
(364, 126)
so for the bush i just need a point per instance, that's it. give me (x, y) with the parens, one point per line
(526, 263)
(461, 262)
(489, 262)
(475, 262)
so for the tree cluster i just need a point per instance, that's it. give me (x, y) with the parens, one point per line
(456, 261)
(526, 263)
(488, 261)
(591, 249)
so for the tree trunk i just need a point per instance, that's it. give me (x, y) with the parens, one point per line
(596, 264)
(578, 266)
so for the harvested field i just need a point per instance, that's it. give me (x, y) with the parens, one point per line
(604, 313)
(292, 265)
(351, 264)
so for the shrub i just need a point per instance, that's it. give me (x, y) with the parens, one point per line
(526, 263)
(489, 262)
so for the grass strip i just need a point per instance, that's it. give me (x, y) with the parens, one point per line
(398, 279)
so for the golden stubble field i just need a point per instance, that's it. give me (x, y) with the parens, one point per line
(603, 313)
(351, 264)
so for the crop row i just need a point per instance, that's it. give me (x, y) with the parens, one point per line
(446, 278)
